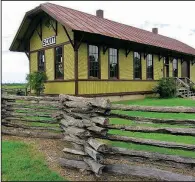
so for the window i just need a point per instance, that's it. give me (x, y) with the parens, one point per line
(175, 68)
(41, 61)
(113, 63)
(149, 64)
(59, 70)
(137, 65)
(93, 61)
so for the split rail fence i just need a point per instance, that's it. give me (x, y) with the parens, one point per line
(84, 124)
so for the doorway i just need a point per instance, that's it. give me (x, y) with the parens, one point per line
(185, 69)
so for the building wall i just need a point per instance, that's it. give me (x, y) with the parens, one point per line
(192, 72)
(103, 87)
(60, 88)
(54, 87)
(127, 84)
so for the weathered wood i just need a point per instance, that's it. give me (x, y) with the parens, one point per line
(100, 120)
(146, 172)
(98, 130)
(95, 102)
(70, 121)
(73, 164)
(31, 127)
(74, 151)
(178, 109)
(31, 120)
(173, 131)
(96, 167)
(151, 156)
(18, 114)
(32, 105)
(93, 153)
(97, 145)
(29, 98)
(26, 110)
(74, 139)
(154, 120)
(77, 131)
(30, 133)
(71, 112)
(151, 142)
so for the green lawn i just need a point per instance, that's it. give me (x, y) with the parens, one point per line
(21, 162)
(148, 148)
(160, 102)
(157, 115)
(155, 136)
(154, 125)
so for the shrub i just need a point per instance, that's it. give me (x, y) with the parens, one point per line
(166, 88)
(36, 81)
(192, 87)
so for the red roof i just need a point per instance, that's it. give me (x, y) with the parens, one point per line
(81, 21)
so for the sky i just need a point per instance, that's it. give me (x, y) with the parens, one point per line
(173, 19)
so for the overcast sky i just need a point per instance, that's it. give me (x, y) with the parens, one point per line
(174, 19)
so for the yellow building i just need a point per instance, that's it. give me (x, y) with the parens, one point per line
(89, 55)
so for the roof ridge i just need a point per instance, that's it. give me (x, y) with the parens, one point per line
(120, 23)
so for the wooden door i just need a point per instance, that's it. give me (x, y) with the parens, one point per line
(185, 69)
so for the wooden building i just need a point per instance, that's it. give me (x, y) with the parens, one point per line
(89, 55)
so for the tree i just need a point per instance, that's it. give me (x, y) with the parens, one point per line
(36, 81)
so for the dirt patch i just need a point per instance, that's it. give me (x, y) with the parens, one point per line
(52, 150)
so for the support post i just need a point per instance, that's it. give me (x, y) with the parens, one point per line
(76, 66)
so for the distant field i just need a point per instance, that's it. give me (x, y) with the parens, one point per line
(14, 85)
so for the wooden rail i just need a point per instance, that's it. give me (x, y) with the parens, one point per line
(83, 123)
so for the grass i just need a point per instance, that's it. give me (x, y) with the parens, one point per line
(14, 86)
(160, 102)
(21, 162)
(157, 115)
(148, 148)
(154, 125)
(156, 136)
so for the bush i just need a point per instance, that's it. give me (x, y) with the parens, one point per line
(192, 87)
(166, 88)
(36, 81)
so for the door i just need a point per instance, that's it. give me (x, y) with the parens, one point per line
(185, 69)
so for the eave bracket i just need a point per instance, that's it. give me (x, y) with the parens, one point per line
(127, 52)
(105, 48)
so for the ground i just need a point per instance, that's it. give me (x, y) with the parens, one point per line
(50, 150)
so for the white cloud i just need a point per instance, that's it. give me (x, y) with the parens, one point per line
(174, 19)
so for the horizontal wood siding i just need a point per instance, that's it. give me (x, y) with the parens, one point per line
(143, 61)
(192, 72)
(158, 67)
(125, 65)
(98, 87)
(49, 61)
(104, 64)
(60, 88)
(33, 62)
(82, 62)
(179, 68)
(68, 62)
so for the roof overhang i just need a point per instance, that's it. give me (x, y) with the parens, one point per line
(130, 45)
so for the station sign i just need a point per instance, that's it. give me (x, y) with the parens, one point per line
(49, 41)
